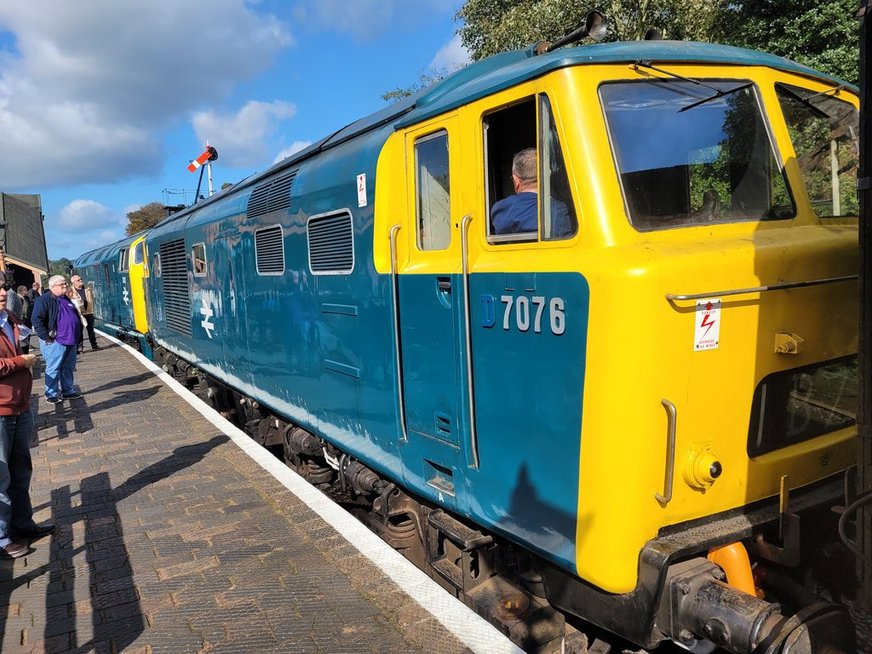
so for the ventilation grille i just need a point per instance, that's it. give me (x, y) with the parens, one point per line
(269, 251)
(331, 244)
(273, 195)
(174, 281)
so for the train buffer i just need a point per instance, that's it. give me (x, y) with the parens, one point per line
(177, 534)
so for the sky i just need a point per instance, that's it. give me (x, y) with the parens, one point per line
(103, 103)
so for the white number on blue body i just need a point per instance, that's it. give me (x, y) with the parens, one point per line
(518, 313)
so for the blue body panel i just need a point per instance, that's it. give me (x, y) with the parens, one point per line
(529, 388)
(528, 396)
(314, 348)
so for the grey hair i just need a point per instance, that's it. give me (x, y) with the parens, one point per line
(524, 165)
(54, 280)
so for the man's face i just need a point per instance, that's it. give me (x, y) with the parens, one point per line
(4, 291)
(59, 289)
(77, 282)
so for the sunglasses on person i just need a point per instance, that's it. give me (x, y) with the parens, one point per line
(5, 287)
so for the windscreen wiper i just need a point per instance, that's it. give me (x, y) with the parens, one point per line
(817, 111)
(718, 92)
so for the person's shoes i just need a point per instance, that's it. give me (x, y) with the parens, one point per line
(96, 347)
(81, 350)
(75, 395)
(37, 531)
(54, 400)
(15, 551)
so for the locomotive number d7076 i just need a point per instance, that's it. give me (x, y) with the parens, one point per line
(525, 313)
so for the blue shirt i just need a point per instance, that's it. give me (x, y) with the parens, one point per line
(517, 214)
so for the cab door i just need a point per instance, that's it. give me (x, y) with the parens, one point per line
(430, 307)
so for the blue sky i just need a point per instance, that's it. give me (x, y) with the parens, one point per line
(104, 103)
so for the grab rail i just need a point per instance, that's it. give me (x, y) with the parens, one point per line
(760, 289)
(467, 322)
(398, 359)
(671, 414)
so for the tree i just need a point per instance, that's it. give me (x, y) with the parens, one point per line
(819, 33)
(145, 217)
(60, 266)
(425, 79)
(492, 26)
(823, 35)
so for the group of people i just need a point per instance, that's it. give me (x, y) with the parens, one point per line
(59, 316)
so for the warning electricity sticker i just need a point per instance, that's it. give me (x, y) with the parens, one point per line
(708, 325)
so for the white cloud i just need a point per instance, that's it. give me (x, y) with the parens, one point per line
(365, 20)
(85, 86)
(241, 139)
(450, 57)
(86, 215)
(295, 147)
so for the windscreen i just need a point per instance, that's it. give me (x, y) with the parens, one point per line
(690, 153)
(825, 134)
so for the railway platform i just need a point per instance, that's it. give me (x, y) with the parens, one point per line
(176, 533)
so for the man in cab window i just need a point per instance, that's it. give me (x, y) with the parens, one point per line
(518, 213)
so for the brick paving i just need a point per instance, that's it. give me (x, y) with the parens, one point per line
(170, 539)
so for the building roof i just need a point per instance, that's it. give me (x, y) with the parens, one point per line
(21, 231)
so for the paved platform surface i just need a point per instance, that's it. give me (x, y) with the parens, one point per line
(171, 539)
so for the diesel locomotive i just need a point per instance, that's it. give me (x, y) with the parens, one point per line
(640, 421)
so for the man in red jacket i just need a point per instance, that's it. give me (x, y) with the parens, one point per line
(16, 429)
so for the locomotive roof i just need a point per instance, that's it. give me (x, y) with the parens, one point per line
(507, 69)
(97, 254)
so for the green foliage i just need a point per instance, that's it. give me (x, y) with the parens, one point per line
(425, 79)
(821, 34)
(60, 266)
(145, 217)
(492, 26)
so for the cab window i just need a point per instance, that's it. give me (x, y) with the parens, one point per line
(137, 253)
(123, 260)
(825, 133)
(689, 154)
(198, 257)
(433, 191)
(528, 197)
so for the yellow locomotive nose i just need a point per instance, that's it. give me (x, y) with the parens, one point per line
(702, 467)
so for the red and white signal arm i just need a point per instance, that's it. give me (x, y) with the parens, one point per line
(209, 154)
(707, 332)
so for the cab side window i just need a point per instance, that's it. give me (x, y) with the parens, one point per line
(528, 197)
(138, 256)
(557, 211)
(433, 191)
(198, 257)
